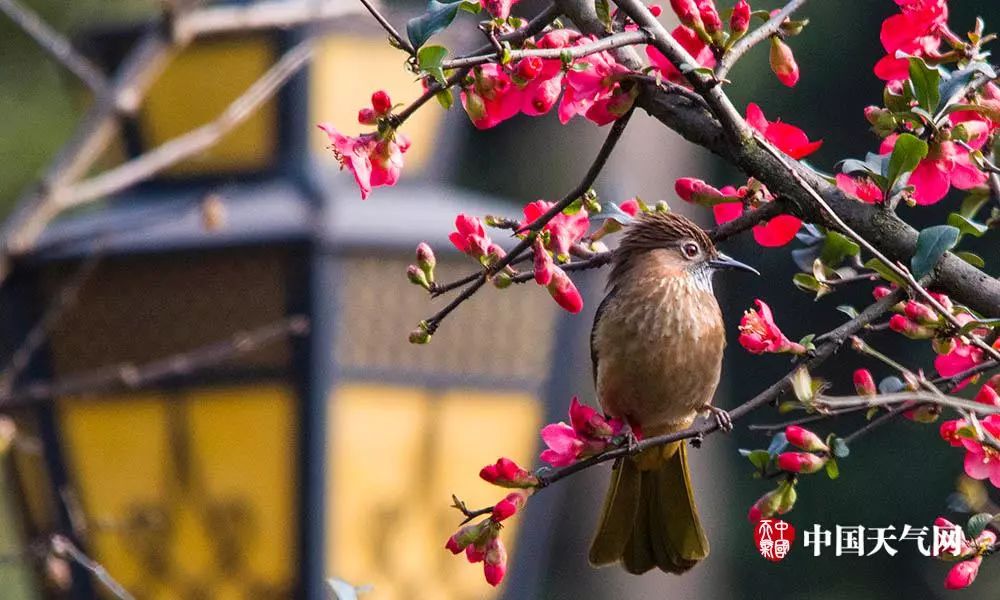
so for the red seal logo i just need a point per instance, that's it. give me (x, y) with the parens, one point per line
(774, 538)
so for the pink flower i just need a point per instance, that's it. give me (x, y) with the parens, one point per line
(507, 473)
(494, 562)
(949, 431)
(373, 161)
(963, 574)
(589, 434)
(947, 164)
(590, 80)
(988, 395)
(789, 139)
(564, 230)
(470, 237)
(760, 334)
(800, 462)
(783, 62)
(498, 9)
(630, 207)
(862, 188)
(881, 291)
(915, 31)
(864, 383)
(492, 98)
(695, 46)
(564, 292)
(774, 233)
(381, 103)
(739, 22)
(803, 438)
(981, 460)
(962, 358)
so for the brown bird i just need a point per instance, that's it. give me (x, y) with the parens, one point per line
(656, 348)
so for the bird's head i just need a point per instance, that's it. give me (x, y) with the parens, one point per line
(675, 244)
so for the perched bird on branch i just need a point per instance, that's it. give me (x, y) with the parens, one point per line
(656, 348)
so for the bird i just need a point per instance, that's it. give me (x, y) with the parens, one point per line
(656, 351)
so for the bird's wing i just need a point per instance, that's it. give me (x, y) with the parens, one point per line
(593, 331)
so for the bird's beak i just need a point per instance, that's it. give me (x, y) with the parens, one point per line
(726, 262)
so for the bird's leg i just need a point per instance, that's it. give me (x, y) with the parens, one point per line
(722, 418)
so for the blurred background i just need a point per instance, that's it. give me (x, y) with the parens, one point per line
(209, 374)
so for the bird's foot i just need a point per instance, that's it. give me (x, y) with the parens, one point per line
(722, 418)
(631, 443)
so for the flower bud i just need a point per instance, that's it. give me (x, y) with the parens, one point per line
(564, 292)
(988, 395)
(910, 329)
(765, 506)
(543, 264)
(943, 346)
(528, 69)
(426, 260)
(469, 534)
(381, 103)
(881, 292)
(417, 277)
(709, 16)
(507, 473)
(943, 300)
(697, 191)
(921, 313)
(655, 9)
(475, 553)
(963, 574)
(420, 335)
(509, 506)
(367, 116)
(800, 462)
(783, 62)
(739, 22)
(495, 562)
(787, 495)
(864, 383)
(801, 437)
(502, 280)
(688, 13)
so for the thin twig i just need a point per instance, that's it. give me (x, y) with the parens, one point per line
(840, 402)
(193, 142)
(876, 423)
(56, 45)
(617, 40)
(769, 428)
(755, 37)
(400, 40)
(263, 14)
(63, 547)
(132, 376)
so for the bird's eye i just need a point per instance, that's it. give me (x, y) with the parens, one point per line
(690, 249)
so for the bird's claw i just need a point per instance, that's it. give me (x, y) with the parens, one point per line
(722, 418)
(631, 443)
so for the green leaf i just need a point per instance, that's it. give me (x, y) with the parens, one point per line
(884, 271)
(806, 282)
(430, 59)
(976, 524)
(832, 470)
(952, 89)
(972, 203)
(439, 15)
(836, 248)
(445, 98)
(932, 243)
(603, 8)
(802, 385)
(973, 259)
(848, 310)
(925, 82)
(978, 324)
(759, 459)
(967, 226)
(906, 154)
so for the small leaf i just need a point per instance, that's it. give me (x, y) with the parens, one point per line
(802, 385)
(932, 243)
(973, 259)
(445, 98)
(967, 226)
(953, 89)
(759, 459)
(972, 203)
(806, 282)
(848, 310)
(839, 448)
(603, 8)
(836, 248)
(925, 82)
(778, 444)
(832, 470)
(884, 271)
(906, 155)
(853, 166)
(430, 59)
(439, 15)
(976, 524)
(891, 385)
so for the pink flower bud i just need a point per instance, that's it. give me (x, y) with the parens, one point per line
(903, 325)
(469, 534)
(943, 300)
(697, 191)
(739, 22)
(528, 68)
(864, 383)
(800, 462)
(495, 562)
(709, 16)
(988, 395)
(509, 506)
(801, 437)
(564, 292)
(367, 116)
(425, 257)
(543, 263)
(881, 292)
(688, 13)
(655, 9)
(381, 103)
(949, 432)
(507, 473)
(963, 574)
(921, 313)
(765, 506)
(783, 62)
(474, 553)
(417, 277)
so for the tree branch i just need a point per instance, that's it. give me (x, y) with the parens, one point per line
(617, 40)
(56, 45)
(755, 37)
(400, 41)
(63, 547)
(263, 14)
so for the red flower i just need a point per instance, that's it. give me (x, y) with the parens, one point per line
(988, 395)
(783, 62)
(492, 98)
(862, 188)
(789, 139)
(373, 160)
(470, 237)
(381, 103)
(760, 334)
(630, 207)
(690, 41)
(949, 431)
(777, 232)
(916, 31)
(982, 461)
(593, 83)
(800, 462)
(864, 383)
(803, 438)
(589, 434)
(564, 230)
(962, 358)
(963, 574)
(498, 9)
(507, 473)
